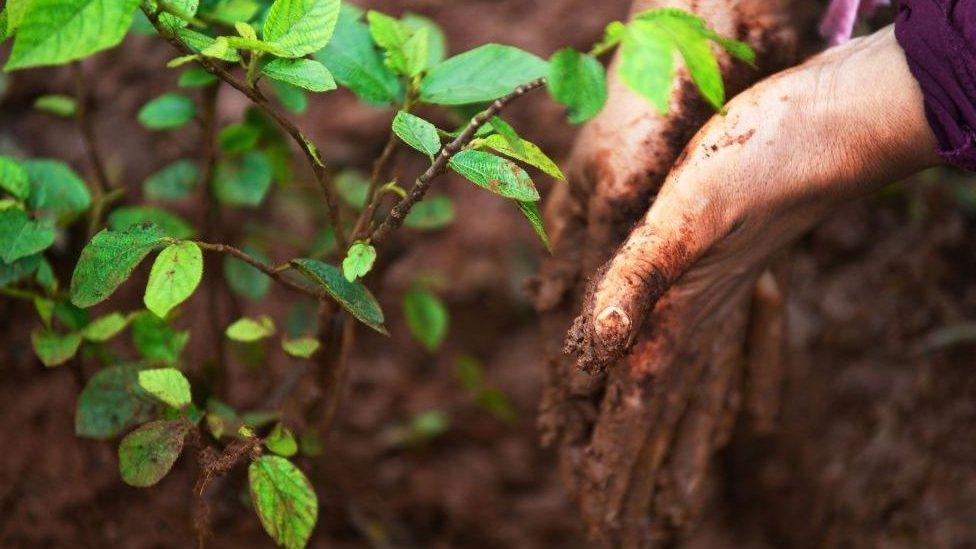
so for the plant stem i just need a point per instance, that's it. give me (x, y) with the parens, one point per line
(262, 102)
(101, 184)
(271, 271)
(372, 196)
(439, 165)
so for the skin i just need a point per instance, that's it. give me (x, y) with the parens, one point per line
(789, 151)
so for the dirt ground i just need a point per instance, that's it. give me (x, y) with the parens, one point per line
(874, 446)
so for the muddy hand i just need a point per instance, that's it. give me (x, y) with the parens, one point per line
(789, 150)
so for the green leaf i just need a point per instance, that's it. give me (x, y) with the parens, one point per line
(304, 73)
(290, 97)
(201, 43)
(579, 82)
(169, 385)
(196, 77)
(284, 500)
(248, 330)
(184, 11)
(105, 328)
(301, 27)
(529, 153)
(56, 189)
(498, 175)
(417, 132)
(156, 340)
(245, 280)
(739, 50)
(531, 212)
(238, 138)
(20, 236)
(11, 273)
(480, 75)
(13, 178)
(15, 9)
(173, 182)
(53, 32)
(54, 348)
(149, 452)
(436, 41)
(244, 184)
(355, 62)
(430, 214)
(646, 64)
(167, 112)
(108, 260)
(303, 347)
(351, 296)
(174, 277)
(232, 11)
(171, 224)
(46, 277)
(353, 188)
(72, 317)
(112, 402)
(359, 260)
(426, 316)
(58, 105)
(406, 48)
(281, 441)
(507, 132)
(470, 374)
(697, 54)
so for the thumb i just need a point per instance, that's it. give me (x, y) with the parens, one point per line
(673, 234)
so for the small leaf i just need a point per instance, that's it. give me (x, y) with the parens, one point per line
(244, 184)
(207, 45)
(13, 178)
(482, 74)
(56, 189)
(353, 59)
(174, 277)
(417, 132)
(290, 97)
(105, 328)
(112, 402)
(579, 82)
(11, 273)
(173, 182)
(167, 112)
(430, 214)
(303, 347)
(301, 27)
(238, 138)
(284, 500)
(530, 153)
(169, 385)
(351, 296)
(245, 280)
(149, 452)
(281, 441)
(109, 259)
(196, 77)
(249, 329)
(359, 260)
(156, 340)
(54, 348)
(58, 105)
(496, 174)
(426, 316)
(171, 224)
(436, 41)
(21, 236)
(531, 212)
(353, 188)
(646, 64)
(304, 73)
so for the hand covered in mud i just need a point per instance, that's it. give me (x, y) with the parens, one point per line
(789, 151)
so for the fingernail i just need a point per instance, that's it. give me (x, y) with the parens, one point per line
(612, 326)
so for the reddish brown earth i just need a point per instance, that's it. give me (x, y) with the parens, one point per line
(874, 445)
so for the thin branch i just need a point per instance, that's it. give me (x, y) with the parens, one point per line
(101, 185)
(372, 198)
(439, 165)
(269, 108)
(269, 270)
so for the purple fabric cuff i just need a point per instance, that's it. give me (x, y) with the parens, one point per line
(939, 39)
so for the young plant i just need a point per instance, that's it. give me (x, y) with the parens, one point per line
(275, 54)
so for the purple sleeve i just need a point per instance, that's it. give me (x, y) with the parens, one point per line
(939, 39)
